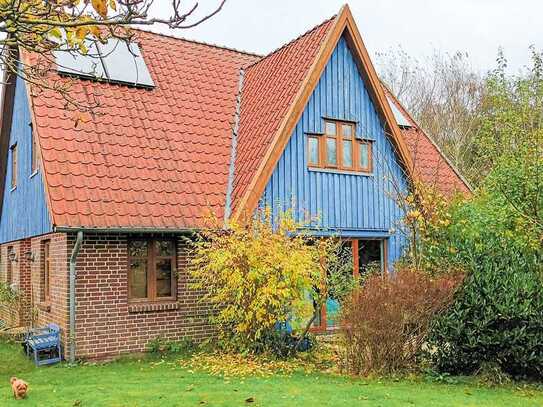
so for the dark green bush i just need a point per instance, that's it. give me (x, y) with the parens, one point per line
(497, 318)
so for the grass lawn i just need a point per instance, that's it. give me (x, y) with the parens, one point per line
(155, 382)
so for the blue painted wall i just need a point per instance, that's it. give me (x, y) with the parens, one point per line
(24, 209)
(346, 204)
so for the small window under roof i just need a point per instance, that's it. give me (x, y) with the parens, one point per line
(115, 61)
(401, 120)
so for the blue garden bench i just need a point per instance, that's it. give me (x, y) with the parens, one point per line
(44, 344)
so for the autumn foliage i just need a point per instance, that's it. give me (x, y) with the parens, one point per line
(255, 275)
(385, 322)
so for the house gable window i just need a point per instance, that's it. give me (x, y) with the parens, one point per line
(339, 149)
(151, 270)
(13, 150)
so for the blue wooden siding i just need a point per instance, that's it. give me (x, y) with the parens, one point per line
(24, 209)
(346, 204)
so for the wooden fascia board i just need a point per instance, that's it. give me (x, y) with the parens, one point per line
(8, 98)
(258, 183)
(344, 23)
(30, 99)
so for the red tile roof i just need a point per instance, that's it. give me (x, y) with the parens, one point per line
(431, 165)
(160, 158)
(149, 158)
(269, 89)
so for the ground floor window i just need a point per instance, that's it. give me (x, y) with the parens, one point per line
(151, 270)
(361, 256)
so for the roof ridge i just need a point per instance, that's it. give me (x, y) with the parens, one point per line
(208, 44)
(275, 51)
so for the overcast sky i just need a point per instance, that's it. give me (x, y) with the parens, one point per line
(478, 27)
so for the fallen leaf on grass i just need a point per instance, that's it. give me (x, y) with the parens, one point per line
(250, 400)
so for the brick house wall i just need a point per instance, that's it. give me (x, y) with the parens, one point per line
(56, 309)
(107, 325)
(20, 277)
(27, 272)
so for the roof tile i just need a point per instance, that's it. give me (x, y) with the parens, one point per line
(148, 158)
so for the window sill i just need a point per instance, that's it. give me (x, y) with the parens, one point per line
(152, 307)
(343, 172)
(44, 306)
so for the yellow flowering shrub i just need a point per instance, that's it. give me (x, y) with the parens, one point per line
(257, 274)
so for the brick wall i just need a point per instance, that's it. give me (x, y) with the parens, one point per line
(27, 275)
(56, 309)
(19, 315)
(107, 325)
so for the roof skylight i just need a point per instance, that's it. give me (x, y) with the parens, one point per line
(401, 120)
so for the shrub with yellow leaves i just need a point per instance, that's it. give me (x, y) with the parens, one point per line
(260, 273)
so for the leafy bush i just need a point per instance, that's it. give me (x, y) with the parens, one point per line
(257, 274)
(8, 296)
(385, 322)
(497, 317)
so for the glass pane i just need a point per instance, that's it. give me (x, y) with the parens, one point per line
(347, 153)
(364, 156)
(138, 278)
(165, 248)
(313, 150)
(346, 130)
(330, 128)
(164, 278)
(137, 248)
(369, 256)
(331, 151)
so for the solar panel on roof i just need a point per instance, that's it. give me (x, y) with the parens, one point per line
(73, 63)
(114, 61)
(398, 115)
(124, 63)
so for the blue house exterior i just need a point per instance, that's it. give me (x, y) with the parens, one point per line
(94, 227)
(24, 207)
(350, 205)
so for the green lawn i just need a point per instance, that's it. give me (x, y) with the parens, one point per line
(152, 382)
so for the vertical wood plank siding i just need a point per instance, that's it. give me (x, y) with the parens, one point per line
(349, 204)
(24, 210)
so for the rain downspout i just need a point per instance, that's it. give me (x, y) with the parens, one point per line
(73, 259)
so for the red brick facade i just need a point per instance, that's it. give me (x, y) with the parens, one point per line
(107, 324)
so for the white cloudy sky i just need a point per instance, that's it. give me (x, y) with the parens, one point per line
(478, 27)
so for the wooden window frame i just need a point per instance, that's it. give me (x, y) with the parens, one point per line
(151, 271)
(13, 153)
(323, 327)
(339, 138)
(319, 151)
(46, 271)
